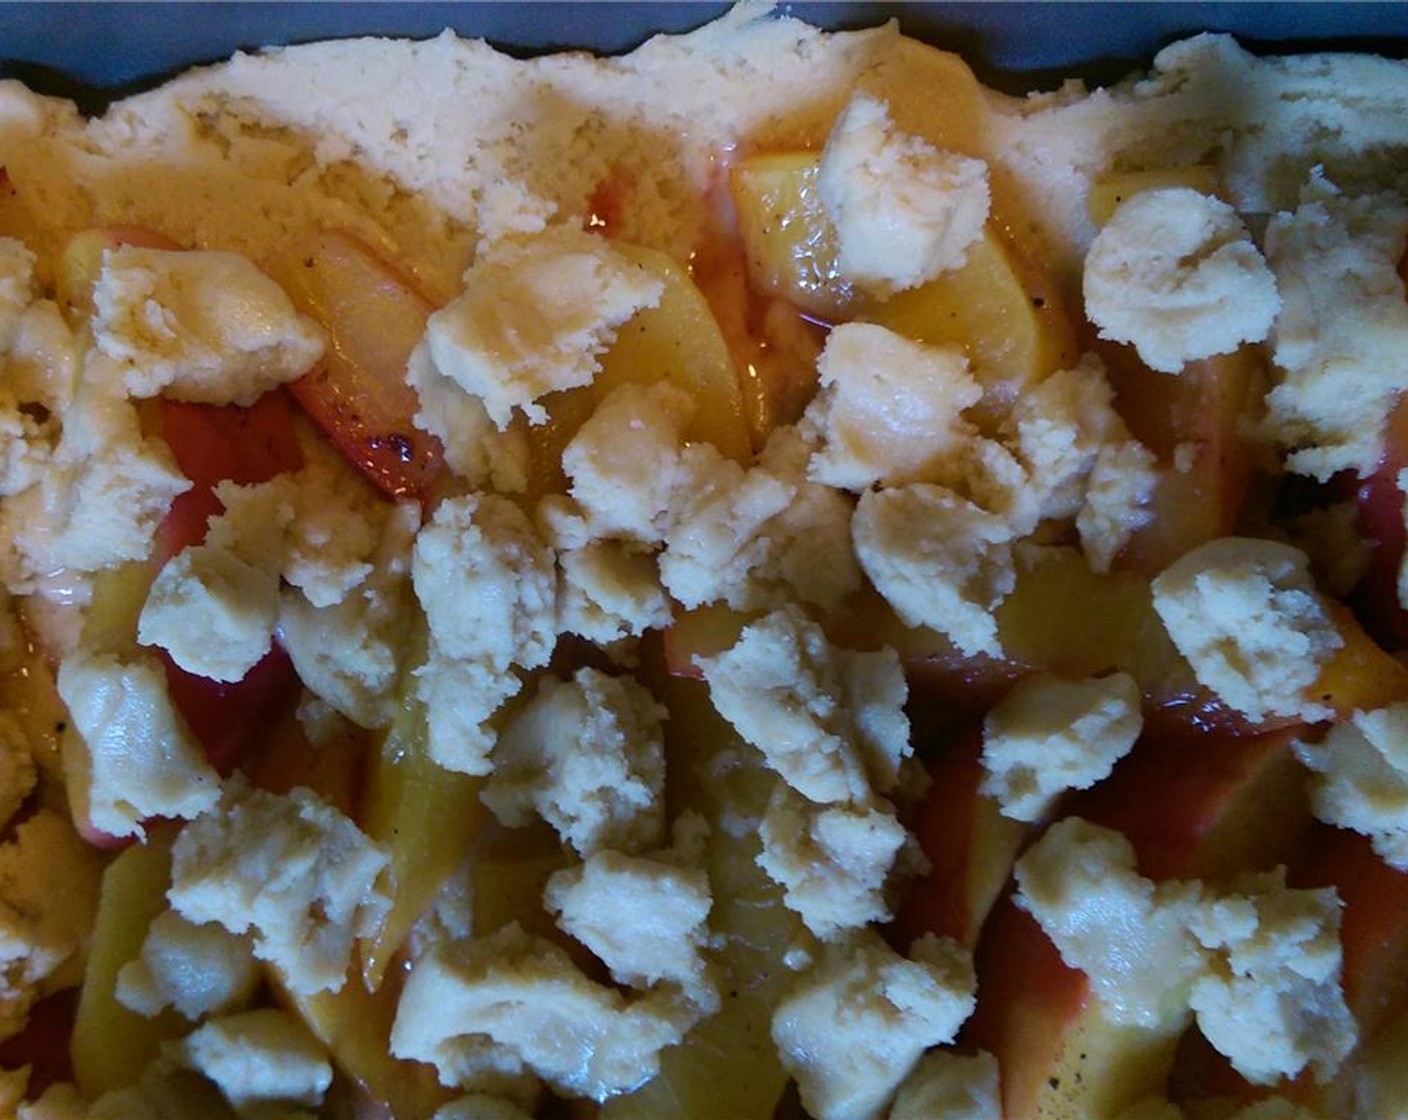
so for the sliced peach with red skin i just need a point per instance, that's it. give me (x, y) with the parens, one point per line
(1194, 423)
(970, 846)
(218, 443)
(1374, 973)
(1381, 503)
(1058, 1055)
(358, 394)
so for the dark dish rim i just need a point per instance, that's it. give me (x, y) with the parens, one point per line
(96, 53)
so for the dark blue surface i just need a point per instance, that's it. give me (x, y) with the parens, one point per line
(94, 50)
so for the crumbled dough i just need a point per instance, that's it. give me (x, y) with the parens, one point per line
(857, 1023)
(346, 653)
(719, 531)
(586, 755)
(1361, 778)
(535, 316)
(615, 498)
(939, 560)
(949, 1086)
(474, 448)
(1340, 338)
(288, 868)
(904, 211)
(136, 756)
(198, 326)
(1116, 500)
(1271, 1000)
(832, 861)
(1059, 427)
(212, 611)
(18, 771)
(260, 1060)
(199, 970)
(487, 583)
(1049, 735)
(1127, 934)
(645, 918)
(890, 410)
(830, 721)
(1175, 272)
(17, 287)
(759, 538)
(106, 488)
(609, 591)
(1246, 614)
(459, 699)
(485, 1009)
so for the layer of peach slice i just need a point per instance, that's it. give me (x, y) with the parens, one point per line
(727, 1066)
(111, 1045)
(970, 846)
(425, 817)
(358, 394)
(1374, 976)
(1060, 1057)
(1004, 311)
(678, 341)
(1196, 423)
(81, 260)
(355, 1026)
(1381, 505)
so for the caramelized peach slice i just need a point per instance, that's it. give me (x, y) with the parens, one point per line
(358, 394)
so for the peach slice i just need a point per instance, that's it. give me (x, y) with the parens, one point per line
(81, 261)
(1240, 805)
(1107, 194)
(1195, 423)
(679, 341)
(215, 443)
(1004, 311)
(355, 1026)
(425, 817)
(970, 845)
(1381, 504)
(788, 239)
(358, 394)
(110, 1045)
